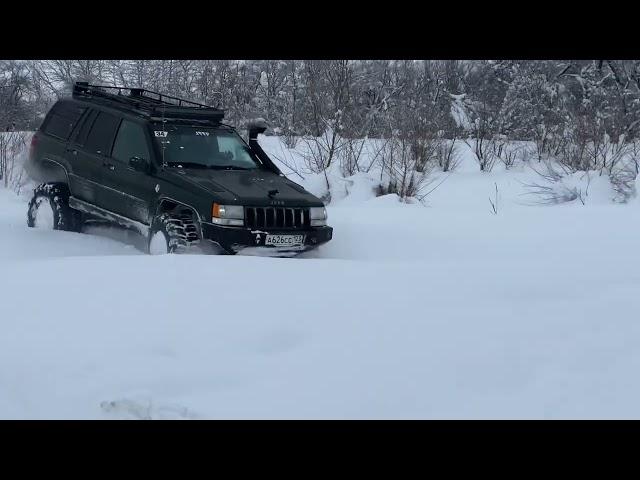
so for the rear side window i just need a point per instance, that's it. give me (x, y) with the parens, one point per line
(62, 119)
(130, 142)
(85, 128)
(100, 137)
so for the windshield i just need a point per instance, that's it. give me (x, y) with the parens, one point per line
(199, 147)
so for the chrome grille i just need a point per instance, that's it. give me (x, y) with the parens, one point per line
(277, 217)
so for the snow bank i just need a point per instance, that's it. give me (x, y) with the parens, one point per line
(442, 310)
(410, 312)
(465, 188)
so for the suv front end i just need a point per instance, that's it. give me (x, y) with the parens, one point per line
(271, 229)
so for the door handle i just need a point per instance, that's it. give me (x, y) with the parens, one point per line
(72, 150)
(110, 166)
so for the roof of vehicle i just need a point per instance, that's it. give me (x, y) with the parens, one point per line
(152, 105)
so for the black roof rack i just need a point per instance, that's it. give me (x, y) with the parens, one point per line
(154, 105)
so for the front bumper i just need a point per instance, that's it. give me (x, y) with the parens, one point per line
(234, 239)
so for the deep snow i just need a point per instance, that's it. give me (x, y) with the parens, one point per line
(412, 311)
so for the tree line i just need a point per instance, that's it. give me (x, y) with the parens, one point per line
(584, 112)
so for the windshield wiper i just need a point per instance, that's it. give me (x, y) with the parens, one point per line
(186, 165)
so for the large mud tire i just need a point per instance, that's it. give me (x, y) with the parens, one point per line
(167, 235)
(49, 209)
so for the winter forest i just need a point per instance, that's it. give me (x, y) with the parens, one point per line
(482, 264)
(583, 114)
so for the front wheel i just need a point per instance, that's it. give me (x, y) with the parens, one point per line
(167, 235)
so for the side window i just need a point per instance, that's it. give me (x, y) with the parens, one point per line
(100, 137)
(83, 130)
(62, 119)
(130, 142)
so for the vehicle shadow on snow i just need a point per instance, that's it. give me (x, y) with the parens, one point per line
(134, 239)
(117, 233)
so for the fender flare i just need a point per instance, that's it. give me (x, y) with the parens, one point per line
(157, 204)
(55, 165)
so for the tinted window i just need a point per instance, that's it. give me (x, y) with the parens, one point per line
(81, 136)
(101, 135)
(62, 118)
(130, 142)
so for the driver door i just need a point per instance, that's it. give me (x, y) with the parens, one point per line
(132, 191)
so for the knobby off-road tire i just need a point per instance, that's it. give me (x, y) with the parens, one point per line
(167, 235)
(49, 209)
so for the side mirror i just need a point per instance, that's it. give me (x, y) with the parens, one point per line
(256, 128)
(139, 164)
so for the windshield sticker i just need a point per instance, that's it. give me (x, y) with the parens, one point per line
(206, 134)
(160, 133)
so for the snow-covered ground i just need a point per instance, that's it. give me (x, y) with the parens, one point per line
(442, 310)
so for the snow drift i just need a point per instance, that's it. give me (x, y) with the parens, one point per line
(442, 310)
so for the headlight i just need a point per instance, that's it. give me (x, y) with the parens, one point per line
(318, 216)
(230, 215)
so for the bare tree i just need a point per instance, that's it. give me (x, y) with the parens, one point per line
(13, 149)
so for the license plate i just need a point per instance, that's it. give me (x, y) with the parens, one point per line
(284, 240)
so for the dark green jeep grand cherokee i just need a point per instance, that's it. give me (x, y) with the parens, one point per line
(170, 169)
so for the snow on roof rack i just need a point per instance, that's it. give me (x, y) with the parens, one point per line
(153, 104)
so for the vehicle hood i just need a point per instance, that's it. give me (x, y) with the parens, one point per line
(247, 187)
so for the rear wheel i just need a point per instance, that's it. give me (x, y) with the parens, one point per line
(49, 209)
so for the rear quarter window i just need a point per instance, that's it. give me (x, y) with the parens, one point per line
(62, 119)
